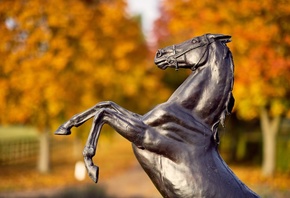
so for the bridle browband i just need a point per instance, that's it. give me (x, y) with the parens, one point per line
(172, 59)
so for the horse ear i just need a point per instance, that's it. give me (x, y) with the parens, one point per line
(221, 37)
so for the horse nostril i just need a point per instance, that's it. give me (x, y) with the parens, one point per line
(158, 53)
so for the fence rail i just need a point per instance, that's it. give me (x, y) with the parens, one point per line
(26, 150)
(18, 150)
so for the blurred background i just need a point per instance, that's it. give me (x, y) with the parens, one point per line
(58, 58)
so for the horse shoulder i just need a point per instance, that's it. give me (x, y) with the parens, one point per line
(155, 117)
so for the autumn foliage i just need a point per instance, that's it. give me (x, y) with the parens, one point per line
(61, 57)
(261, 44)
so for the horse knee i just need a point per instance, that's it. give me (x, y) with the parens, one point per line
(89, 151)
(107, 103)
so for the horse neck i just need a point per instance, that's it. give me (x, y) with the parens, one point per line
(206, 91)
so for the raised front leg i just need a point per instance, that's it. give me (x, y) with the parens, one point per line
(126, 124)
(79, 119)
(136, 131)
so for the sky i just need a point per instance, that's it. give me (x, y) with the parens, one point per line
(148, 10)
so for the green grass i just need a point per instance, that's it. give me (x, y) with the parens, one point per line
(17, 132)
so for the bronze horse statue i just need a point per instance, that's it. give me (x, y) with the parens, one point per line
(176, 142)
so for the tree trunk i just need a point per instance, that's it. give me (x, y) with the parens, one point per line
(270, 129)
(44, 154)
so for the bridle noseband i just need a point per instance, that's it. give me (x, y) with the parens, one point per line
(172, 60)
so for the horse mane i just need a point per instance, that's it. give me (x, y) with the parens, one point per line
(229, 104)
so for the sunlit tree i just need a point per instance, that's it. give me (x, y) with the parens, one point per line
(60, 57)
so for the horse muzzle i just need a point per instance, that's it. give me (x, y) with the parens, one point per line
(163, 66)
(166, 58)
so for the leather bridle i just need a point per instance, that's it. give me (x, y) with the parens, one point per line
(172, 60)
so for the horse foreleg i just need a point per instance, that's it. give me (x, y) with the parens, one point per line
(90, 149)
(128, 125)
(79, 119)
(75, 121)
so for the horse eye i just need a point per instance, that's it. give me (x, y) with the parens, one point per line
(195, 41)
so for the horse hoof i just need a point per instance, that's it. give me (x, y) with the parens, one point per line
(94, 173)
(62, 131)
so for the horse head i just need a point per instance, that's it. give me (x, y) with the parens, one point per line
(207, 92)
(191, 54)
